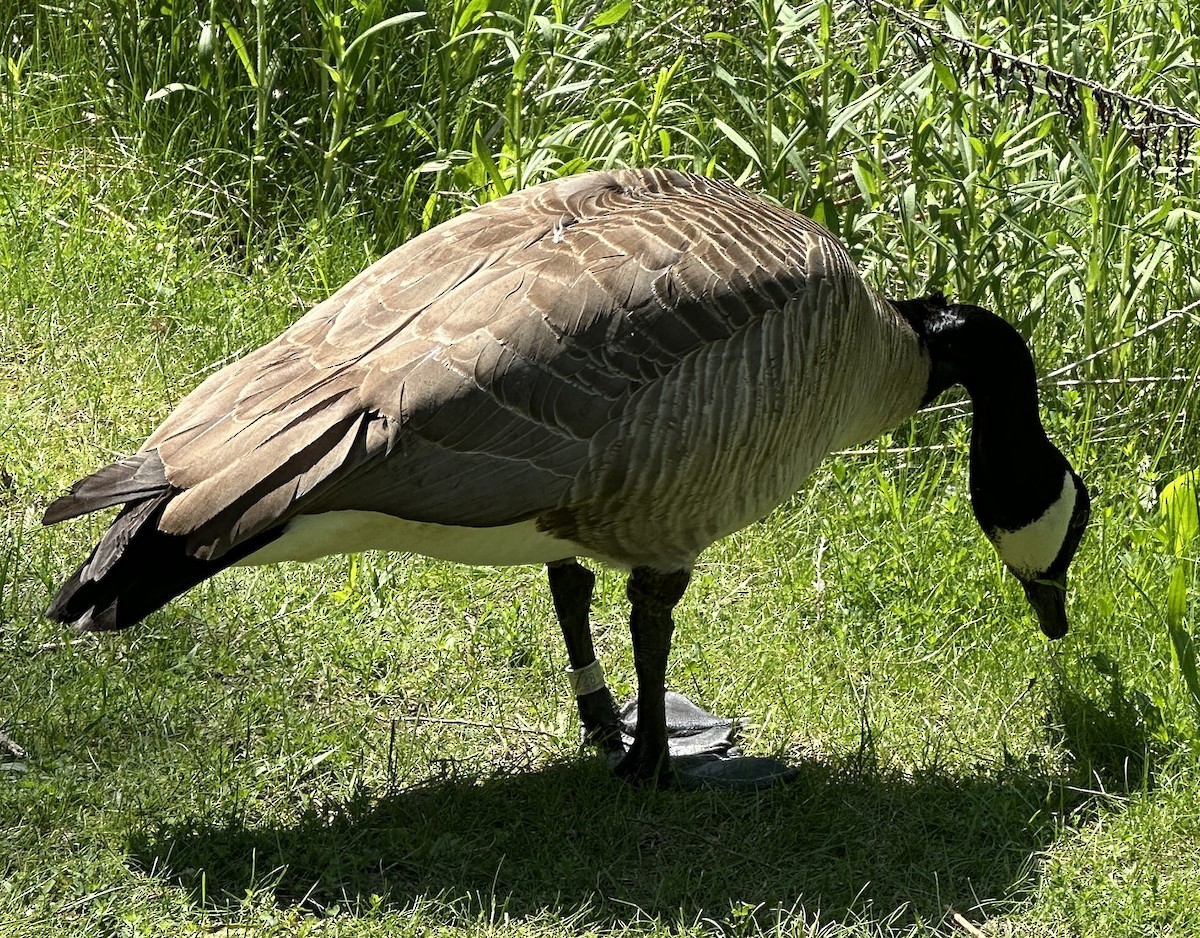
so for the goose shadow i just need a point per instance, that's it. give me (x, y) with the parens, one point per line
(841, 842)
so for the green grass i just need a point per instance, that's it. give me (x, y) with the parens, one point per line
(387, 746)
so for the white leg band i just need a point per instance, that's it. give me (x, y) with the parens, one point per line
(587, 679)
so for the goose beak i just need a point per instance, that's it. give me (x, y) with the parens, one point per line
(1049, 601)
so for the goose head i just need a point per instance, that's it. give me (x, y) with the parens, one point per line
(1031, 504)
(1037, 537)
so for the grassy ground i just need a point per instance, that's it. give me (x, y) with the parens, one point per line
(385, 745)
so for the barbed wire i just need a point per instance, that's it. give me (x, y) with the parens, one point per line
(1148, 123)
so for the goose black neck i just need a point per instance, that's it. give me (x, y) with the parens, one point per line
(1016, 472)
(977, 349)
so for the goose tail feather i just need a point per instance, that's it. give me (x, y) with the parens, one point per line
(135, 568)
(131, 479)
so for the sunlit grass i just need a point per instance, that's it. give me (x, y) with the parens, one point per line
(389, 747)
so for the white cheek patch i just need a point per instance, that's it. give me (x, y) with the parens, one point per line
(1029, 551)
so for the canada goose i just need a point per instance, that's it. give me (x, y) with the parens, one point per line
(623, 365)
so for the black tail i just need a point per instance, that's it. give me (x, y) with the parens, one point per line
(136, 568)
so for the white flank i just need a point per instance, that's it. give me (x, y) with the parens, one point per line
(308, 537)
(1029, 551)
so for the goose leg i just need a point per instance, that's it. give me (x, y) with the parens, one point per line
(652, 596)
(571, 587)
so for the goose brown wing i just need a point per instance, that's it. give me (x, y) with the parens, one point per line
(461, 378)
